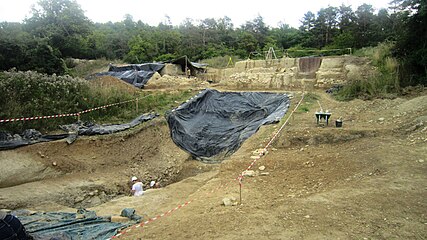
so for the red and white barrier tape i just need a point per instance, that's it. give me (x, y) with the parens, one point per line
(150, 220)
(272, 139)
(68, 114)
(225, 186)
(40, 117)
(127, 230)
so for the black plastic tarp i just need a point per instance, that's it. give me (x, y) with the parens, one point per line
(88, 128)
(28, 137)
(135, 74)
(214, 124)
(31, 136)
(192, 66)
(69, 226)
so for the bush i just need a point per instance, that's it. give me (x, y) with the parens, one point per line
(381, 84)
(28, 94)
(297, 52)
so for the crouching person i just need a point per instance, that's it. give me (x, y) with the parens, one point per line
(137, 189)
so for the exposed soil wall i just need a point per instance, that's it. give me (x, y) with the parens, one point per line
(106, 162)
(291, 73)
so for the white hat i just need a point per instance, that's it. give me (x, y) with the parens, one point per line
(134, 178)
(152, 183)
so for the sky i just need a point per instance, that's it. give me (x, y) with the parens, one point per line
(154, 12)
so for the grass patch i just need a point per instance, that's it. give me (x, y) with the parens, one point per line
(221, 62)
(307, 103)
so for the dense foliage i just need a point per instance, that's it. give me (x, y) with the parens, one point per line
(59, 29)
(30, 94)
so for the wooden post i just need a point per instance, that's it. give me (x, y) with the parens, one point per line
(240, 188)
(186, 67)
(136, 103)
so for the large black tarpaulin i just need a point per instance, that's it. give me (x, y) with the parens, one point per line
(214, 124)
(194, 68)
(28, 137)
(135, 74)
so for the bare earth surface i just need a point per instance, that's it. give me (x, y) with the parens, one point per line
(366, 180)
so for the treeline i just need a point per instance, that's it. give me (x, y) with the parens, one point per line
(59, 29)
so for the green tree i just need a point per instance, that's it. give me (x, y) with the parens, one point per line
(13, 45)
(411, 46)
(63, 23)
(347, 27)
(365, 25)
(18, 49)
(307, 29)
(142, 49)
(258, 29)
(285, 36)
(383, 26)
(346, 18)
(192, 39)
(247, 44)
(326, 25)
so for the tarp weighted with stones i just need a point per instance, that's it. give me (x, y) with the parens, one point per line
(69, 226)
(214, 124)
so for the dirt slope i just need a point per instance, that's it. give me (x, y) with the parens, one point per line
(367, 180)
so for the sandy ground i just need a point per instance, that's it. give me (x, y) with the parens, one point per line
(366, 180)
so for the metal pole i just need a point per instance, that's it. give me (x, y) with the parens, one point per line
(321, 109)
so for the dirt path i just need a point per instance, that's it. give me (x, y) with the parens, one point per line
(367, 180)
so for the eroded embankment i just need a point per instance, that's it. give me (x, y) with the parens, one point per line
(92, 170)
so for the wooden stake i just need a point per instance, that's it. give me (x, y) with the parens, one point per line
(240, 187)
(136, 103)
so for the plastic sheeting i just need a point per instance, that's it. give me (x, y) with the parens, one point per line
(214, 124)
(88, 128)
(28, 137)
(139, 74)
(135, 74)
(31, 136)
(194, 68)
(69, 226)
